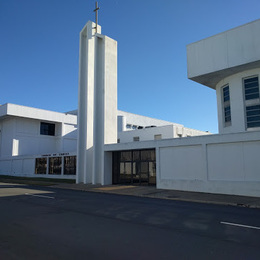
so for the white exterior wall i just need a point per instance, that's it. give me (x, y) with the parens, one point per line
(224, 164)
(166, 132)
(237, 104)
(18, 166)
(147, 133)
(20, 135)
(7, 136)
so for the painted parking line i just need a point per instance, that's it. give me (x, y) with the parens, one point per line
(40, 196)
(239, 225)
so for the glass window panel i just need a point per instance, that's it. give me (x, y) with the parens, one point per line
(136, 155)
(227, 113)
(70, 165)
(144, 167)
(47, 129)
(251, 80)
(40, 165)
(226, 96)
(152, 169)
(55, 165)
(122, 168)
(134, 168)
(145, 155)
(253, 124)
(251, 90)
(250, 108)
(228, 119)
(253, 118)
(126, 156)
(128, 168)
(251, 87)
(252, 96)
(226, 105)
(253, 112)
(148, 155)
(226, 99)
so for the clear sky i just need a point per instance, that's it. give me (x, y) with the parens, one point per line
(39, 46)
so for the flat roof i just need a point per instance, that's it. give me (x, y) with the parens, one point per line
(36, 113)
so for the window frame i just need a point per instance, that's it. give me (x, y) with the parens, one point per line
(49, 131)
(136, 138)
(250, 103)
(226, 104)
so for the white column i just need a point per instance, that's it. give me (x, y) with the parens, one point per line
(105, 115)
(97, 103)
(85, 103)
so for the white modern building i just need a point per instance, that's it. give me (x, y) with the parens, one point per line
(28, 133)
(152, 152)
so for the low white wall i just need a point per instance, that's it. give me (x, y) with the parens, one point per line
(226, 164)
(25, 166)
(18, 166)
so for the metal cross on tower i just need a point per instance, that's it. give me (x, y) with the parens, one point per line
(96, 10)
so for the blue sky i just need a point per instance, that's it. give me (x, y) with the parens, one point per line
(39, 45)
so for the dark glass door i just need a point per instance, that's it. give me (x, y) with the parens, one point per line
(134, 167)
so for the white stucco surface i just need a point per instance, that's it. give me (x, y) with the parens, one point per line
(20, 131)
(237, 105)
(225, 164)
(97, 106)
(211, 59)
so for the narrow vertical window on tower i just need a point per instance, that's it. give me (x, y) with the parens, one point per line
(252, 102)
(226, 105)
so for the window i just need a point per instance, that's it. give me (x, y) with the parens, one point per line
(70, 165)
(253, 116)
(118, 140)
(128, 126)
(135, 166)
(40, 165)
(55, 165)
(136, 139)
(252, 102)
(251, 88)
(47, 129)
(226, 105)
(157, 137)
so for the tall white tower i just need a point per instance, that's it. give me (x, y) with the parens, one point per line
(97, 103)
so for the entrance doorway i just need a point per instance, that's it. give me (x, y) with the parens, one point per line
(134, 167)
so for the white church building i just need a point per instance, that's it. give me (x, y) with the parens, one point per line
(99, 144)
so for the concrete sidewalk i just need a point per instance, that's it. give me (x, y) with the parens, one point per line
(152, 192)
